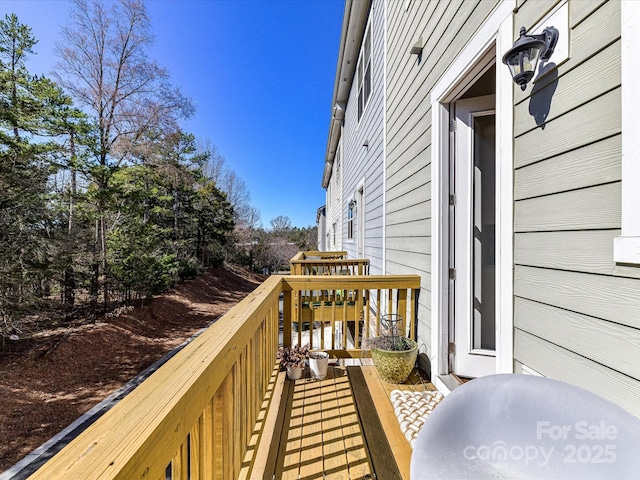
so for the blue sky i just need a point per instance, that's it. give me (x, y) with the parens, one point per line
(261, 75)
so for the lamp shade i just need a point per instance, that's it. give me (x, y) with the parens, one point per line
(522, 58)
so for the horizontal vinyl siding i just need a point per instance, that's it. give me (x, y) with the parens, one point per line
(576, 313)
(445, 28)
(363, 166)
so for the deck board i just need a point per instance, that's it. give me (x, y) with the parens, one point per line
(311, 465)
(288, 465)
(357, 452)
(384, 462)
(335, 457)
(326, 427)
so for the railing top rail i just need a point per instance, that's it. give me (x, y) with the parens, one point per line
(317, 253)
(123, 442)
(330, 282)
(297, 257)
(329, 261)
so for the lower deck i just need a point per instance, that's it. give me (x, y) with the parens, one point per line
(341, 427)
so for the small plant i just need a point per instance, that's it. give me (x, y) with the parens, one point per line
(293, 357)
(391, 337)
(393, 354)
(393, 344)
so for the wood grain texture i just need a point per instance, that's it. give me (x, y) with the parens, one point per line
(358, 458)
(142, 433)
(266, 448)
(382, 455)
(334, 453)
(401, 450)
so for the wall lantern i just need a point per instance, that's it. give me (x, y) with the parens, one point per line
(352, 204)
(522, 58)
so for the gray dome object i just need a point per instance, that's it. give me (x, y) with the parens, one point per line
(524, 426)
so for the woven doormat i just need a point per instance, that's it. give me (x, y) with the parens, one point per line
(412, 409)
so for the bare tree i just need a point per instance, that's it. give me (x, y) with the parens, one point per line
(103, 64)
(227, 180)
(280, 225)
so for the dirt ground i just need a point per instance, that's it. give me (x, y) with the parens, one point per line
(48, 381)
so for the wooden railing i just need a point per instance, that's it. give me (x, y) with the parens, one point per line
(334, 313)
(199, 416)
(327, 263)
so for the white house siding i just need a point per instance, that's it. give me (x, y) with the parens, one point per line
(576, 313)
(363, 166)
(445, 28)
(334, 205)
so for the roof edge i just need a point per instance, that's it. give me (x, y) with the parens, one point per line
(353, 25)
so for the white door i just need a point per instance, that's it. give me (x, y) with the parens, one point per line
(472, 257)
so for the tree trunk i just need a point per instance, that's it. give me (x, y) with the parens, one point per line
(69, 283)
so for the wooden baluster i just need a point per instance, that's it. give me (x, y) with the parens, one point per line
(402, 308)
(412, 315)
(345, 346)
(378, 297)
(367, 314)
(196, 460)
(287, 318)
(333, 321)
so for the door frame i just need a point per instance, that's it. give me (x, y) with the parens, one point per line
(467, 358)
(486, 47)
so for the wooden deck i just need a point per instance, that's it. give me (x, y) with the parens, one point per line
(211, 411)
(341, 427)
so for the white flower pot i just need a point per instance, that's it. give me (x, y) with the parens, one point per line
(294, 373)
(318, 363)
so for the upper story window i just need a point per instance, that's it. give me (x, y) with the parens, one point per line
(364, 73)
(351, 213)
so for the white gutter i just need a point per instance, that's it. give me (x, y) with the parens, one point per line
(353, 25)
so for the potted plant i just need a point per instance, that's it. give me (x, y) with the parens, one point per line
(393, 355)
(293, 359)
(318, 364)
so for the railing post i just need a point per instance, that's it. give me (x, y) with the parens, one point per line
(287, 308)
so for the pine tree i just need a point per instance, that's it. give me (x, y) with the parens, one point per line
(25, 227)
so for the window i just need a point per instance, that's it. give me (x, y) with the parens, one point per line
(351, 212)
(364, 73)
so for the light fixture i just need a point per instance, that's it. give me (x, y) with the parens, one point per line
(417, 47)
(366, 143)
(522, 58)
(352, 204)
